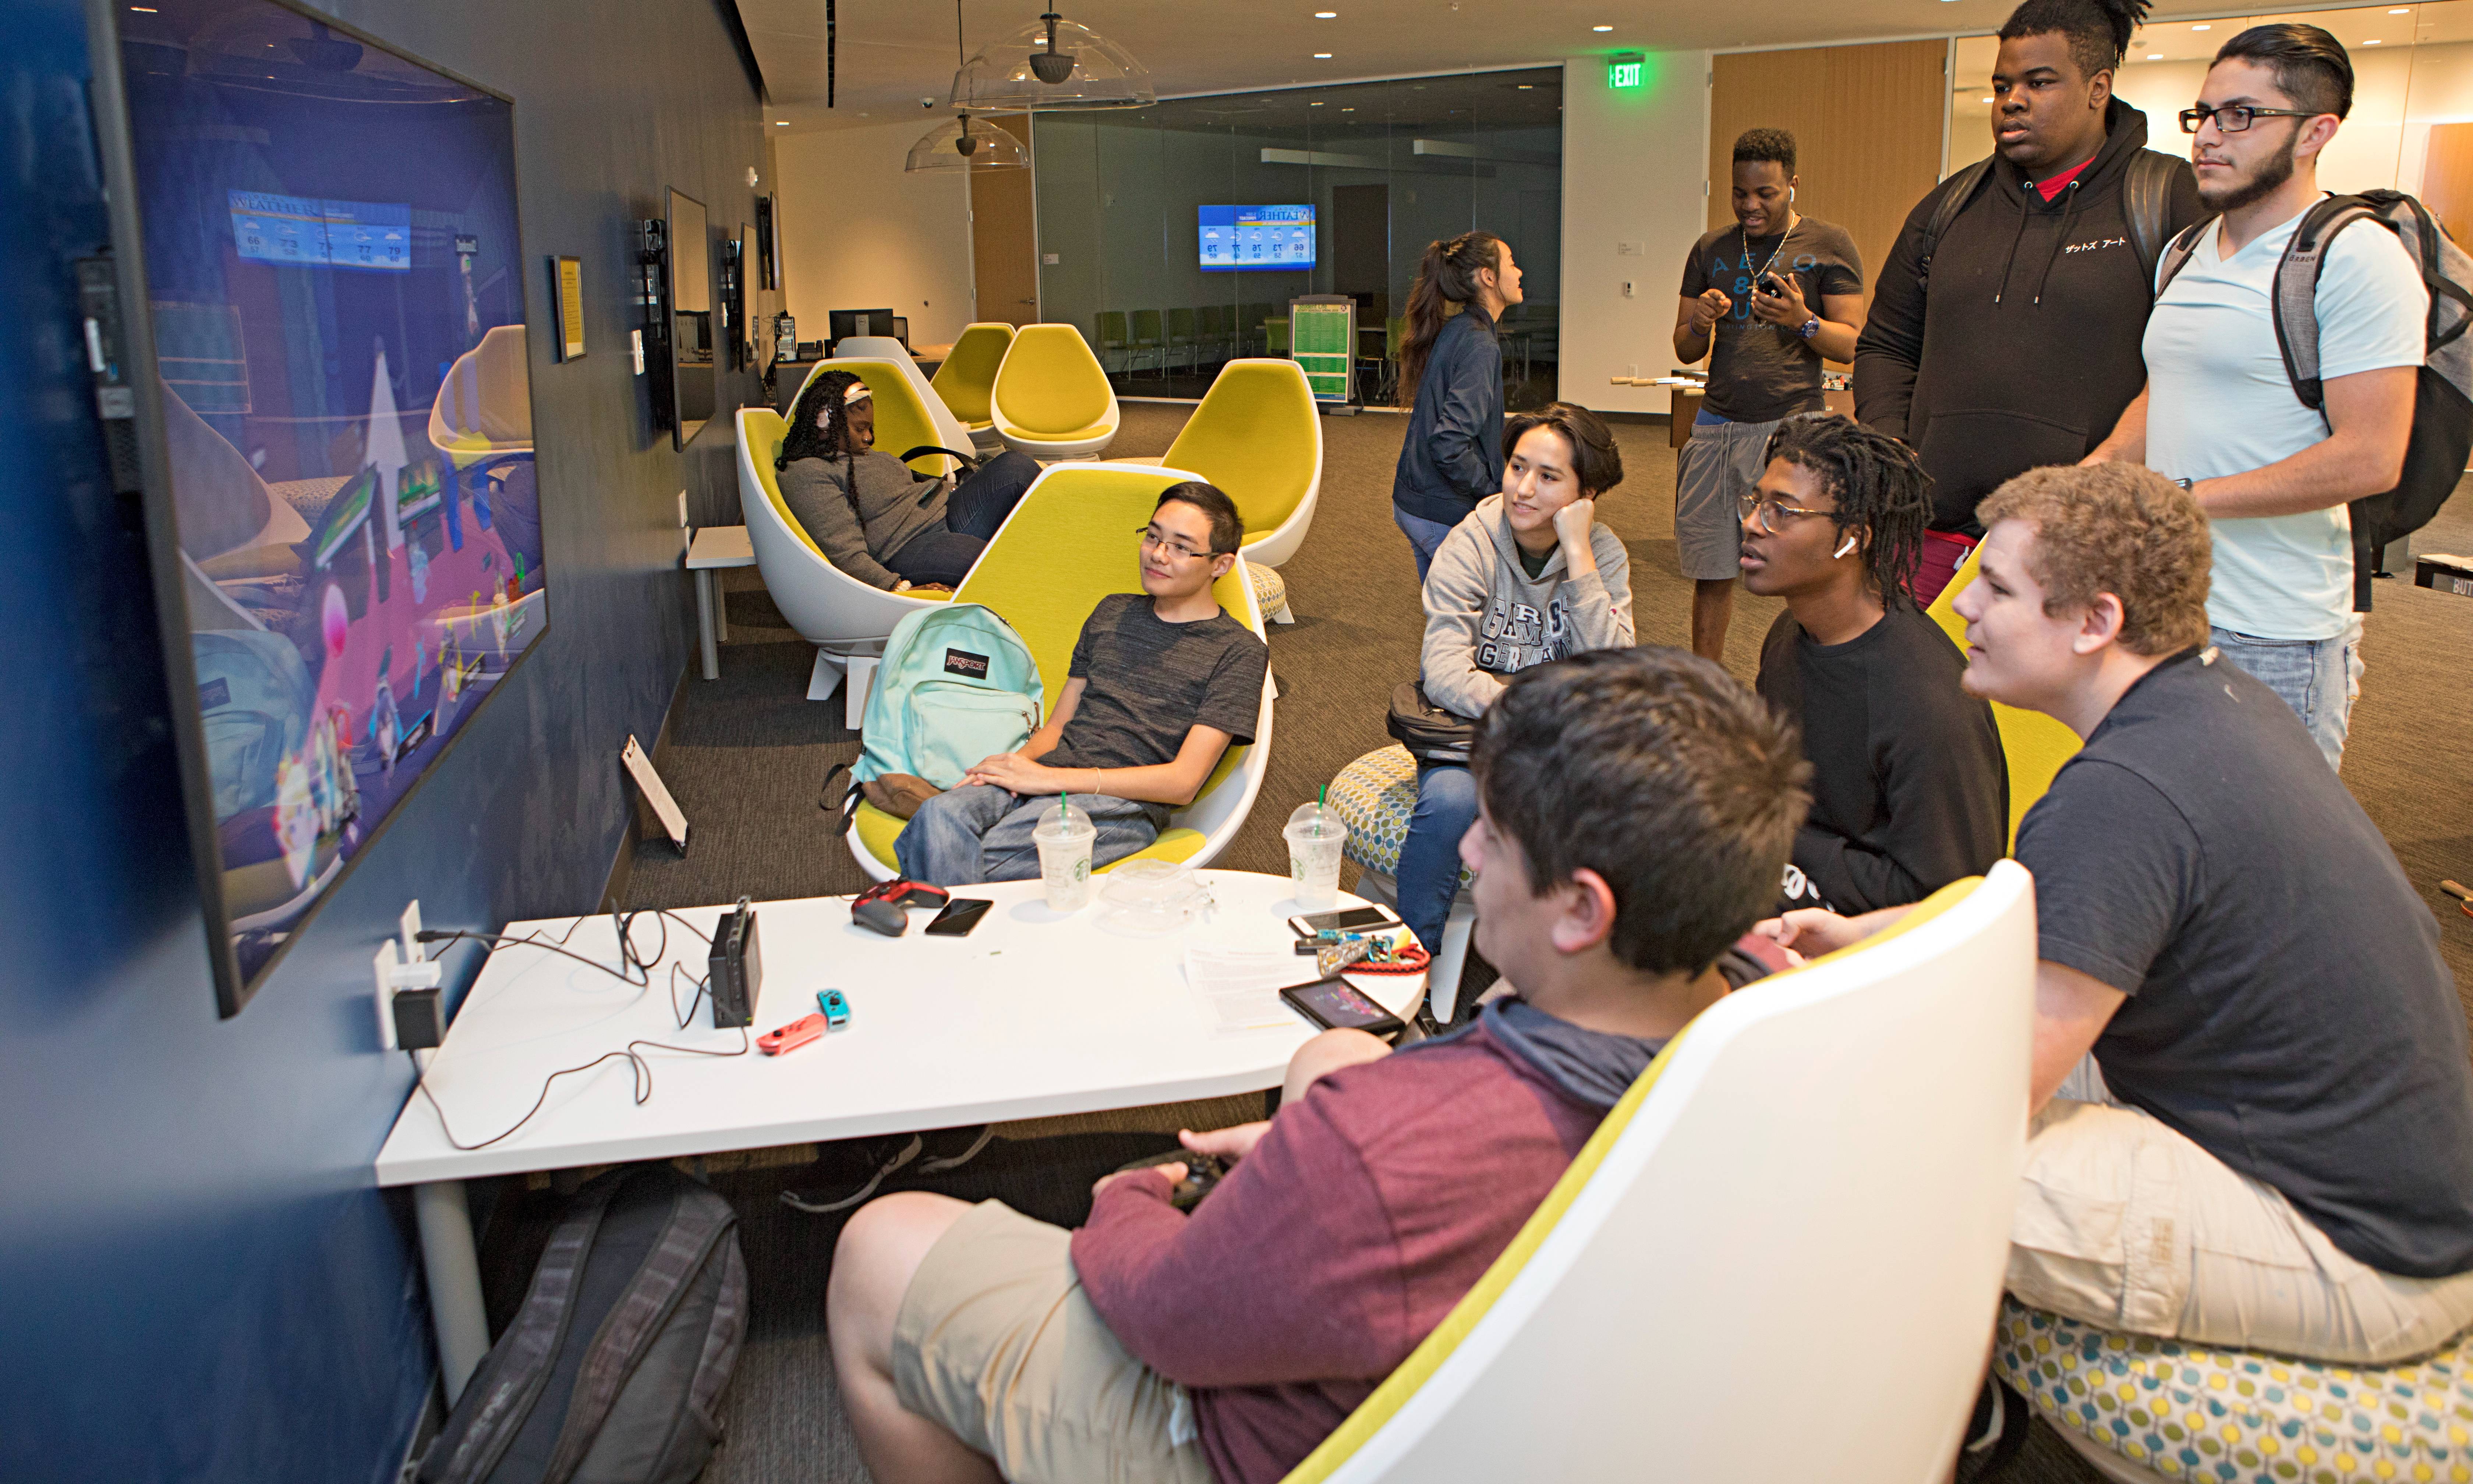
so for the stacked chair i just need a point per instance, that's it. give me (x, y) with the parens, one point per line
(1051, 398)
(967, 379)
(1068, 544)
(1821, 1169)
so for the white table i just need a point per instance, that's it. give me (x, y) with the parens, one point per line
(1035, 1014)
(714, 548)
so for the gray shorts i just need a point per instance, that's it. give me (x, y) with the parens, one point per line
(1722, 461)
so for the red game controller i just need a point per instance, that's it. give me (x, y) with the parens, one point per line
(791, 1037)
(879, 907)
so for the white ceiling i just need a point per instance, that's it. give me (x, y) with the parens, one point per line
(894, 53)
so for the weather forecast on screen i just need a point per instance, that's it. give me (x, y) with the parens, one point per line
(1257, 239)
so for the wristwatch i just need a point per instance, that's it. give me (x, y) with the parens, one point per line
(1811, 327)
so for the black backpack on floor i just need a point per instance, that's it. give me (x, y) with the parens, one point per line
(613, 1368)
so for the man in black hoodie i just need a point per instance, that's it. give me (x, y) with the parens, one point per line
(2005, 328)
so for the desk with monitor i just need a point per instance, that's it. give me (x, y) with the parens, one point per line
(1035, 1014)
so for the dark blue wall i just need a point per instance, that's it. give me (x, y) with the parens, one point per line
(197, 1279)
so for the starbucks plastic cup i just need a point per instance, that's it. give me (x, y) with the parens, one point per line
(1315, 838)
(1064, 840)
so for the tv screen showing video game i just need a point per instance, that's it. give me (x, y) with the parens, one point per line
(351, 518)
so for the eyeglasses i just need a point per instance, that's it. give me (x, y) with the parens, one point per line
(1151, 536)
(2234, 117)
(1773, 513)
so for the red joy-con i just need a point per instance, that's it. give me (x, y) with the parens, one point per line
(791, 1037)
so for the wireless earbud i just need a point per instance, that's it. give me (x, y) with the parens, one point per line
(1790, 195)
(1843, 547)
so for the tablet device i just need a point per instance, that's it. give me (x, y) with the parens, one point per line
(1335, 1004)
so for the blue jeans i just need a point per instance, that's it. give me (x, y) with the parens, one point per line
(1425, 537)
(972, 512)
(2316, 678)
(1429, 858)
(982, 833)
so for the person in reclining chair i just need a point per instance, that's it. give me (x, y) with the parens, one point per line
(1163, 681)
(1635, 807)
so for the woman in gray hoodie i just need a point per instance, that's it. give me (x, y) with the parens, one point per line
(1530, 576)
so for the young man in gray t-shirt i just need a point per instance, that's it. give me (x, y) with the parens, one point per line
(1162, 684)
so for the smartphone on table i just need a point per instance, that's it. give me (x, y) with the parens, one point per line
(1335, 1004)
(1370, 919)
(959, 917)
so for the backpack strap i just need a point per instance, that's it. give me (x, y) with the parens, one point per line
(1955, 193)
(2177, 253)
(2296, 299)
(2146, 196)
(970, 462)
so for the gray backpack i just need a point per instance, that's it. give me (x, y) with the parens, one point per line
(613, 1368)
(2442, 409)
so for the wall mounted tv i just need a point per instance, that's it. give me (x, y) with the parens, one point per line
(322, 287)
(1256, 239)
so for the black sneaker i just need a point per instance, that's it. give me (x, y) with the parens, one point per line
(1996, 1434)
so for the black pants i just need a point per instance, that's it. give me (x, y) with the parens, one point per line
(972, 512)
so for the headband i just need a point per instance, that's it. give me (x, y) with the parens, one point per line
(856, 393)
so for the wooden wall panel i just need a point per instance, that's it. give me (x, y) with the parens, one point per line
(2447, 179)
(1866, 122)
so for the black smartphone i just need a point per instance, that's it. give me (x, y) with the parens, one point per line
(1349, 920)
(1773, 286)
(1335, 1004)
(959, 917)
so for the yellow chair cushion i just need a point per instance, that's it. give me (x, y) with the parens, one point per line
(1429, 1355)
(1254, 437)
(2035, 744)
(1067, 436)
(1051, 385)
(969, 374)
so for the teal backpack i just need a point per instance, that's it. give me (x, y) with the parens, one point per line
(957, 686)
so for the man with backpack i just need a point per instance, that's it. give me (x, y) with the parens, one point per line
(2220, 414)
(2003, 331)
(1163, 682)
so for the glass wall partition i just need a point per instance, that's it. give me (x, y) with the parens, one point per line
(1175, 236)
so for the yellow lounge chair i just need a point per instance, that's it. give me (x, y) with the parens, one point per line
(1051, 399)
(967, 379)
(2035, 744)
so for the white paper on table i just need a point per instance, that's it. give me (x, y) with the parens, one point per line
(1242, 986)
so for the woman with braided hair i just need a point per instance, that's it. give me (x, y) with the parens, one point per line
(1450, 373)
(874, 518)
(1910, 790)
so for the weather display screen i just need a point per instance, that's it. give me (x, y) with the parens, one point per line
(338, 322)
(1256, 239)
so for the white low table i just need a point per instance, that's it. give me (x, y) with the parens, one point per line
(714, 548)
(1035, 1014)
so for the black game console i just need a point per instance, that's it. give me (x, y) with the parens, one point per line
(736, 972)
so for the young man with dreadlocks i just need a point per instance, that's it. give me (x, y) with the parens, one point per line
(1909, 791)
(875, 520)
(2005, 328)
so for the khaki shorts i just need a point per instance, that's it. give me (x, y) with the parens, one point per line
(1722, 461)
(996, 1343)
(2130, 1224)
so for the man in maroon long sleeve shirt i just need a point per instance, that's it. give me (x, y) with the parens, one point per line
(1636, 810)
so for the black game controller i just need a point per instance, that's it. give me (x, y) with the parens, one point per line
(1203, 1173)
(880, 907)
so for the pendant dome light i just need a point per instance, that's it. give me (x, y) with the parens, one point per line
(1052, 63)
(966, 143)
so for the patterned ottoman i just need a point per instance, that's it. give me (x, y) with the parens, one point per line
(1271, 593)
(2144, 1408)
(1374, 796)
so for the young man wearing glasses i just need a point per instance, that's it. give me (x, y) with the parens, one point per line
(1909, 791)
(2219, 415)
(1163, 682)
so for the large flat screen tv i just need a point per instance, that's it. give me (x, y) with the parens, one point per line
(320, 271)
(1256, 239)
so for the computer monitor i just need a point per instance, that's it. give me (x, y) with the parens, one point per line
(334, 421)
(842, 323)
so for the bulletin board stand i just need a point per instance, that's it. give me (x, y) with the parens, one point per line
(1322, 339)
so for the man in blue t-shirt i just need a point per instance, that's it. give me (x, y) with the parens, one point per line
(2253, 1106)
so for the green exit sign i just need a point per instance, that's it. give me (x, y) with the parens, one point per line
(1623, 69)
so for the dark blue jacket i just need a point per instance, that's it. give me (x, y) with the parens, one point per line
(1453, 457)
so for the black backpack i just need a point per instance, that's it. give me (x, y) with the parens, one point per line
(2442, 409)
(2146, 196)
(613, 1368)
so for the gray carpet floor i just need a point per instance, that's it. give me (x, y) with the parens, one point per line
(747, 757)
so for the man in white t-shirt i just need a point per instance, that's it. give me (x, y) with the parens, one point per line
(2219, 415)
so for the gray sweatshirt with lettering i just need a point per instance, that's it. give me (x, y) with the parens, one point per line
(1486, 618)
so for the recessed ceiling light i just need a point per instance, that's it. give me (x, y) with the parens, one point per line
(1526, 86)
(1317, 104)
(2154, 55)
(1601, 28)
(1326, 15)
(2372, 42)
(1987, 97)
(1322, 56)
(780, 123)
(1348, 111)
(2202, 28)
(2402, 10)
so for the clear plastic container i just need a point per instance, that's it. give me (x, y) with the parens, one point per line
(1315, 839)
(1065, 842)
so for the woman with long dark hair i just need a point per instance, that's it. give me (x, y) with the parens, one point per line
(874, 518)
(1450, 373)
